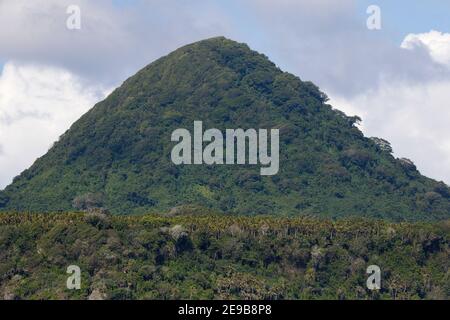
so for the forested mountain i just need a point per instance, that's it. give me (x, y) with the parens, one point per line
(118, 154)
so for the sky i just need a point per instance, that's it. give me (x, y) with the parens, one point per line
(396, 78)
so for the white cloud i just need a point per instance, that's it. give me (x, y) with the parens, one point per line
(328, 42)
(435, 42)
(414, 118)
(114, 40)
(37, 105)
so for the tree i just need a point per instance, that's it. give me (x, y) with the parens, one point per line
(88, 201)
(407, 164)
(3, 200)
(354, 120)
(384, 145)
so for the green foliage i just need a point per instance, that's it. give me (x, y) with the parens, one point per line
(204, 256)
(121, 148)
(88, 201)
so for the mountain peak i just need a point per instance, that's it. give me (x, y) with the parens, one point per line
(217, 51)
(214, 43)
(119, 153)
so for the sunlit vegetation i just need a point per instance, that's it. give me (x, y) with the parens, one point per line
(207, 256)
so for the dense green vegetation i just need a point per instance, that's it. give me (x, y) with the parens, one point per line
(205, 256)
(119, 152)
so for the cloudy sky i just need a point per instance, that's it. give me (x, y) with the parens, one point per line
(396, 78)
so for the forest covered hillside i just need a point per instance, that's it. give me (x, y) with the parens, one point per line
(207, 256)
(117, 155)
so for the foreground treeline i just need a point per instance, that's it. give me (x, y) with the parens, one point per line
(218, 257)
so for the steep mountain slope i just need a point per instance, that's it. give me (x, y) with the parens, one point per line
(120, 150)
